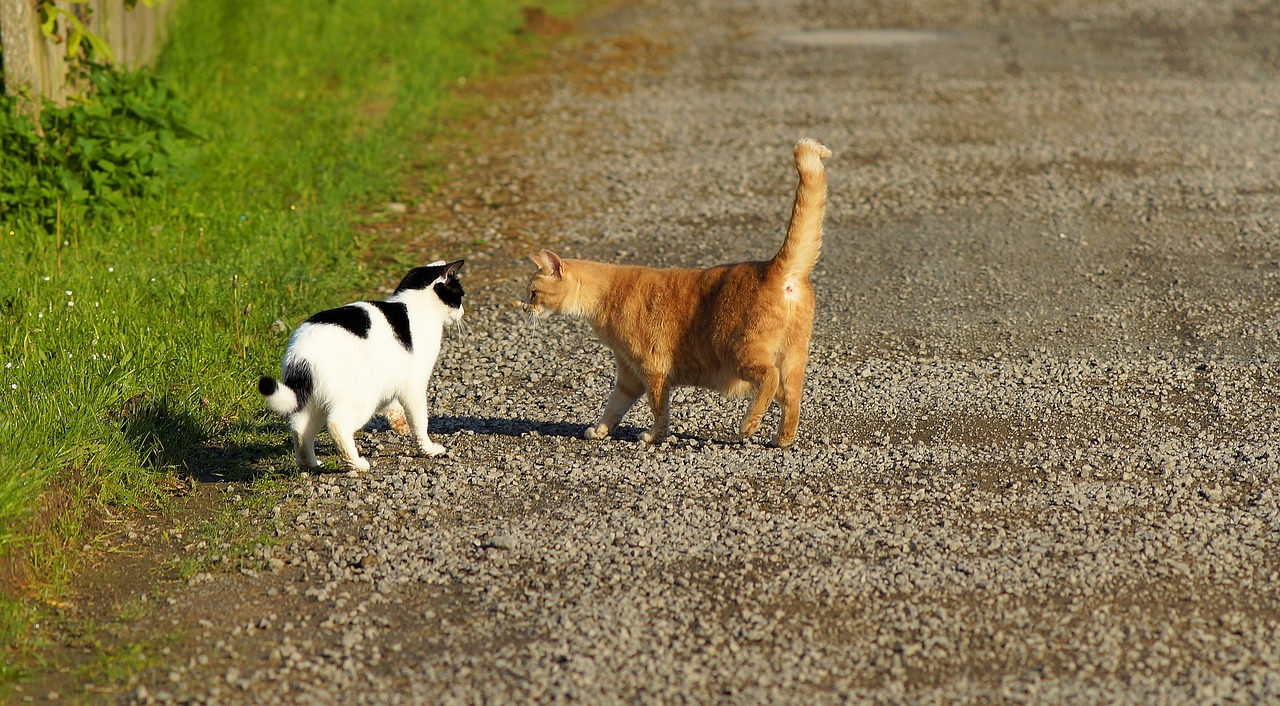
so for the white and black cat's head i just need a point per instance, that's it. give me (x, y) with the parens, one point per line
(439, 279)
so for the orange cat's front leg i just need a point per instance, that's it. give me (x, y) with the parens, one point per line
(626, 390)
(659, 388)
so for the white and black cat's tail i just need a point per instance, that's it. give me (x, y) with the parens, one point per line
(288, 396)
(800, 250)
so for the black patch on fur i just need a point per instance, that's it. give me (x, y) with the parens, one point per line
(422, 277)
(297, 377)
(351, 317)
(450, 292)
(266, 386)
(397, 315)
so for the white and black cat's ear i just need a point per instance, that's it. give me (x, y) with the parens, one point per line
(548, 262)
(453, 267)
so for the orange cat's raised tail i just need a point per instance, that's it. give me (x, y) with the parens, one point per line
(800, 250)
(742, 328)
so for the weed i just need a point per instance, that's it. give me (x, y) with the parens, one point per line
(117, 665)
(124, 137)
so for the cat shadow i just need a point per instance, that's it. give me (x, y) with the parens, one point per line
(505, 427)
(168, 437)
(240, 462)
(521, 426)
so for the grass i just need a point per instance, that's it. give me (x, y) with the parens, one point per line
(129, 345)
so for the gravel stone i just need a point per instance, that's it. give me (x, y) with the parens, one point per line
(1040, 446)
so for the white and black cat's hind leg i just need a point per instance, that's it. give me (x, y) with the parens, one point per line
(342, 429)
(305, 425)
(415, 410)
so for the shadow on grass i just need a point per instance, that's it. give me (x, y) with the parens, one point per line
(169, 437)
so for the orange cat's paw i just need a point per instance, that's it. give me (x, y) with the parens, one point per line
(782, 442)
(597, 432)
(749, 428)
(654, 436)
(399, 423)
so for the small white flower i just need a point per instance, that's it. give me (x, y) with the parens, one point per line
(14, 385)
(68, 292)
(8, 365)
(111, 269)
(71, 303)
(46, 278)
(39, 314)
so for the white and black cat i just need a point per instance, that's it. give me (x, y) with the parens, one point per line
(344, 365)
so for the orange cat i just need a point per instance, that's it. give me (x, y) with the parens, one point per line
(742, 329)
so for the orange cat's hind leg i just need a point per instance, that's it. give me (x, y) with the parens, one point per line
(789, 393)
(764, 379)
(394, 413)
(626, 390)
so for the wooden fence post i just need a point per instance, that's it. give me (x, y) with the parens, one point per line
(19, 35)
(39, 62)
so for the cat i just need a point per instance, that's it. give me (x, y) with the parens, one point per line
(741, 329)
(344, 365)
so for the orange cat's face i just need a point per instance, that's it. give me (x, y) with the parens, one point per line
(549, 288)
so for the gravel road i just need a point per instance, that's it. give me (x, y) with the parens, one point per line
(1040, 450)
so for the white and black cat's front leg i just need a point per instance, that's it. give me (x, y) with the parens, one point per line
(415, 410)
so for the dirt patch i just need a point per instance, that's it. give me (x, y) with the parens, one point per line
(1039, 433)
(487, 207)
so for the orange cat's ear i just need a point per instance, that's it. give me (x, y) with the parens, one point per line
(548, 262)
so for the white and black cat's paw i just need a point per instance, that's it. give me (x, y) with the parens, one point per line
(359, 464)
(431, 448)
(597, 432)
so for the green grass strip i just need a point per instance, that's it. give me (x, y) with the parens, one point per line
(129, 345)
